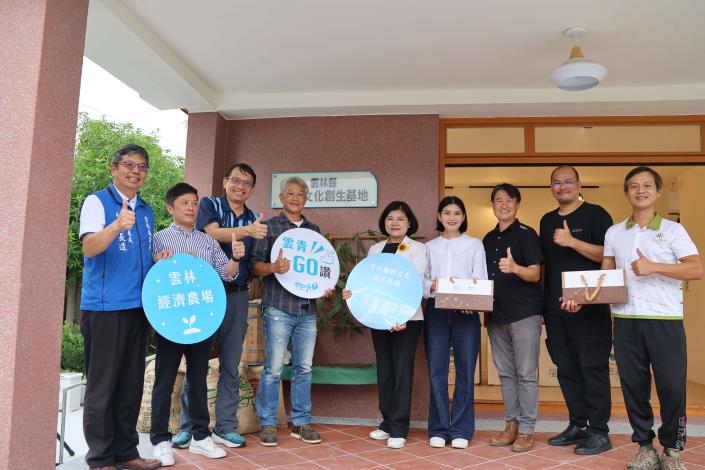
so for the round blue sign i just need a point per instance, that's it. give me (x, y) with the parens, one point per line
(386, 291)
(184, 299)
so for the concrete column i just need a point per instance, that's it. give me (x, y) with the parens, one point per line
(41, 52)
(205, 152)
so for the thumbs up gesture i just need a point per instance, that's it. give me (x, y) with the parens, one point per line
(562, 236)
(126, 217)
(281, 265)
(238, 248)
(642, 266)
(257, 229)
(507, 265)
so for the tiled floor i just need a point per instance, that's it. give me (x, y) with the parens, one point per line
(348, 447)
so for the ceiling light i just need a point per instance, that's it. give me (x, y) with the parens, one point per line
(577, 73)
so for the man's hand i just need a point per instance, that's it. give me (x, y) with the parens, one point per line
(642, 266)
(281, 265)
(238, 248)
(507, 265)
(570, 306)
(164, 254)
(257, 229)
(562, 236)
(126, 218)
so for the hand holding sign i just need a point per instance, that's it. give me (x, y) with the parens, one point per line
(238, 248)
(126, 218)
(563, 236)
(642, 266)
(507, 265)
(257, 229)
(304, 262)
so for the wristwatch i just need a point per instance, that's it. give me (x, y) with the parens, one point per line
(237, 260)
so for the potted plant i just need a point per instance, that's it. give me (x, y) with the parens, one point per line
(72, 365)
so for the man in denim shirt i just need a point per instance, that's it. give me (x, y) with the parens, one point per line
(287, 318)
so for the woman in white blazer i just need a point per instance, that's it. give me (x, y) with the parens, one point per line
(396, 348)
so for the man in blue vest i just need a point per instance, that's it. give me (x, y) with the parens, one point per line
(220, 217)
(116, 228)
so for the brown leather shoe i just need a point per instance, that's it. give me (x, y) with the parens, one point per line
(506, 437)
(104, 468)
(523, 442)
(139, 464)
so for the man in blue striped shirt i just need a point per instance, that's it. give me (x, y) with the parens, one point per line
(221, 217)
(182, 237)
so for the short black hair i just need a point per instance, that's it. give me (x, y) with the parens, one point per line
(511, 190)
(399, 206)
(644, 169)
(447, 201)
(560, 167)
(177, 190)
(129, 149)
(243, 167)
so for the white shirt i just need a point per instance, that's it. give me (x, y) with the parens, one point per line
(92, 217)
(462, 257)
(663, 241)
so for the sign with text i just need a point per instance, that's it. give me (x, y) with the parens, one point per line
(314, 264)
(386, 291)
(184, 299)
(334, 189)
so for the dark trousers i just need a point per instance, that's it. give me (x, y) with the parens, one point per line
(443, 328)
(660, 344)
(230, 337)
(580, 347)
(168, 359)
(114, 347)
(395, 354)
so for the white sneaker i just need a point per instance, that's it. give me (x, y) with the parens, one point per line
(164, 454)
(396, 442)
(207, 448)
(379, 435)
(459, 443)
(437, 442)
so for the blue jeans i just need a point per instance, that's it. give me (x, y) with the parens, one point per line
(280, 328)
(443, 328)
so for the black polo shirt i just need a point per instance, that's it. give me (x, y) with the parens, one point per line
(514, 298)
(589, 223)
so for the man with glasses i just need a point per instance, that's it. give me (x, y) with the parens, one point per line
(579, 342)
(220, 217)
(116, 228)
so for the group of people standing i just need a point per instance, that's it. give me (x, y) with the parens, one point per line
(119, 246)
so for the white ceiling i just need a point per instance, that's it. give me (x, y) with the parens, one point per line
(450, 57)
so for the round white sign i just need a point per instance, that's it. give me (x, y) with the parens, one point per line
(314, 266)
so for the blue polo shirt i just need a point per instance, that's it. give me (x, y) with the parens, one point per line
(216, 209)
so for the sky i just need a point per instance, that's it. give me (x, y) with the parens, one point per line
(103, 95)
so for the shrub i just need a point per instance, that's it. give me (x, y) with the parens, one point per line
(72, 358)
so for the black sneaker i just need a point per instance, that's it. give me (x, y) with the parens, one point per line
(306, 433)
(594, 444)
(571, 435)
(268, 436)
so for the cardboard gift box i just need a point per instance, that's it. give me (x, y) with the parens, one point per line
(607, 286)
(465, 294)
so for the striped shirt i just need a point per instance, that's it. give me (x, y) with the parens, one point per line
(273, 294)
(174, 238)
(217, 209)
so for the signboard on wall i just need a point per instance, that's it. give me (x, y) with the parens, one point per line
(332, 189)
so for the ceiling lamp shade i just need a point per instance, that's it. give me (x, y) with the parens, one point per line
(577, 73)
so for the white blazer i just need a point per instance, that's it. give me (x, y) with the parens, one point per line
(416, 255)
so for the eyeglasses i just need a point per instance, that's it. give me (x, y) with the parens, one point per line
(244, 184)
(557, 183)
(143, 167)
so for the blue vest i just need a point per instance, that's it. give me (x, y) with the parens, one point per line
(113, 279)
